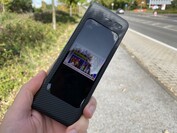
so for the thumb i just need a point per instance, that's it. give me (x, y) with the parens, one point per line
(23, 101)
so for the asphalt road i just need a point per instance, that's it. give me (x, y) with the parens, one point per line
(161, 28)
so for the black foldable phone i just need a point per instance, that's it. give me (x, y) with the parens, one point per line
(77, 71)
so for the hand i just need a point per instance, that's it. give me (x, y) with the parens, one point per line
(21, 118)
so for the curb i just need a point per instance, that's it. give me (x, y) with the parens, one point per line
(156, 58)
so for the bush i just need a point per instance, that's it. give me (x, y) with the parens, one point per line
(27, 46)
(20, 6)
(46, 17)
(16, 36)
(167, 11)
(23, 31)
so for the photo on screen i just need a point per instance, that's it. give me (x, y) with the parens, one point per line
(90, 49)
(84, 61)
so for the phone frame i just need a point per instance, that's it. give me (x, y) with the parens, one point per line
(54, 107)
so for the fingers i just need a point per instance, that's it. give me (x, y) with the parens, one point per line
(90, 108)
(35, 83)
(80, 126)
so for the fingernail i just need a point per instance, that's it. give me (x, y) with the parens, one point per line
(73, 131)
(91, 109)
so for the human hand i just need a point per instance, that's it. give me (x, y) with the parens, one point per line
(21, 118)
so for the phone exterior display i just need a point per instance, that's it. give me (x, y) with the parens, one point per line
(77, 71)
(90, 49)
(75, 77)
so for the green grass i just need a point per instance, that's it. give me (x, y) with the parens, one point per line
(168, 11)
(22, 58)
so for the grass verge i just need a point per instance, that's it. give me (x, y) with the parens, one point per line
(21, 68)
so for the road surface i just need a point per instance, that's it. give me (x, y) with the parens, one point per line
(161, 28)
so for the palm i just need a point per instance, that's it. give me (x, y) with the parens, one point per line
(32, 122)
(45, 124)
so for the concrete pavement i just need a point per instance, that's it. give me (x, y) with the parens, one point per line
(130, 101)
(159, 59)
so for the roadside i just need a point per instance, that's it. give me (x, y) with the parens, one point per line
(170, 15)
(156, 58)
(130, 101)
(167, 15)
(40, 62)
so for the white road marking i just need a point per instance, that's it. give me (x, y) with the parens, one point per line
(159, 42)
(155, 24)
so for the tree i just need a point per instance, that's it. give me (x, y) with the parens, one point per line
(119, 4)
(70, 3)
(4, 3)
(44, 5)
(21, 6)
(133, 5)
(53, 15)
(106, 3)
(174, 4)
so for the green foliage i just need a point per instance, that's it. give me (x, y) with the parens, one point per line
(119, 4)
(4, 1)
(11, 77)
(46, 17)
(37, 10)
(16, 36)
(133, 5)
(4, 17)
(20, 6)
(3, 4)
(174, 4)
(167, 11)
(26, 46)
(106, 3)
(44, 5)
(72, 2)
(19, 32)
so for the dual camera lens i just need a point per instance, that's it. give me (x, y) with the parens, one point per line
(115, 24)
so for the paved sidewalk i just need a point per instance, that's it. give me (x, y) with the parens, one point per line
(130, 101)
(160, 61)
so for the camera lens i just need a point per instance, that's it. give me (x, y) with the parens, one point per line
(118, 26)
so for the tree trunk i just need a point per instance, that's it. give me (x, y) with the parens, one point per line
(3, 7)
(70, 10)
(53, 15)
